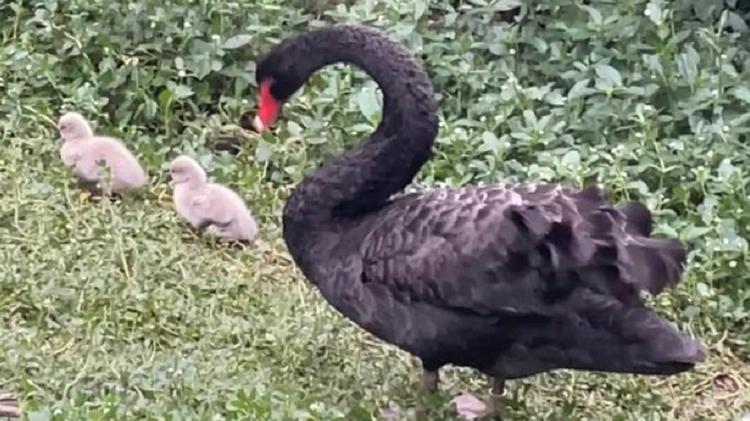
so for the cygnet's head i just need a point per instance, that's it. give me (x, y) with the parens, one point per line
(73, 126)
(184, 169)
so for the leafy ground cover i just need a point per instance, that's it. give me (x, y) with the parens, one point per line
(114, 310)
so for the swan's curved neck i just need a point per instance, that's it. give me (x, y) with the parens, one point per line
(363, 178)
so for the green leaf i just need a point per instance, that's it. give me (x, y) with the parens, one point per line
(505, 5)
(294, 129)
(653, 63)
(530, 117)
(703, 289)
(741, 92)
(654, 11)
(707, 209)
(736, 22)
(263, 151)
(490, 142)
(729, 240)
(572, 159)
(200, 65)
(639, 186)
(181, 91)
(43, 415)
(609, 74)
(165, 98)
(420, 6)
(687, 64)
(236, 41)
(693, 232)
(726, 170)
(316, 140)
(367, 101)
(579, 89)
(594, 14)
(554, 98)
(705, 10)
(692, 311)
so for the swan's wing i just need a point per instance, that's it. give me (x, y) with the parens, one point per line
(243, 224)
(89, 169)
(70, 153)
(212, 206)
(124, 164)
(73, 155)
(529, 249)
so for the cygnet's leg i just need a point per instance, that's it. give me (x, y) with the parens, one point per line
(225, 236)
(88, 190)
(91, 186)
(201, 227)
(114, 196)
(238, 244)
(204, 227)
(95, 190)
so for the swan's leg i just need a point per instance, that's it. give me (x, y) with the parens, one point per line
(427, 386)
(430, 380)
(469, 406)
(497, 393)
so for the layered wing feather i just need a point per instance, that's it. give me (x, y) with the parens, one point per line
(525, 249)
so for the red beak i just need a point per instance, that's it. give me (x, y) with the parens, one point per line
(268, 108)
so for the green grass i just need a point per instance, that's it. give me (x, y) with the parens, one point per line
(114, 310)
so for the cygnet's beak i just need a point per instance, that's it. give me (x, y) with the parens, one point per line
(170, 180)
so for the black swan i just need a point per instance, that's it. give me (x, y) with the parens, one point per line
(511, 280)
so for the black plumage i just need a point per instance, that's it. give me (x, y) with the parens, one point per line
(511, 280)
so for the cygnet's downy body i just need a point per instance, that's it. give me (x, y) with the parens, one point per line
(209, 206)
(101, 164)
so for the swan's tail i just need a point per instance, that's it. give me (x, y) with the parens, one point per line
(636, 341)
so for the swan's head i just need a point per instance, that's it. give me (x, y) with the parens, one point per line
(73, 125)
(184, 169)
(279, 75)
